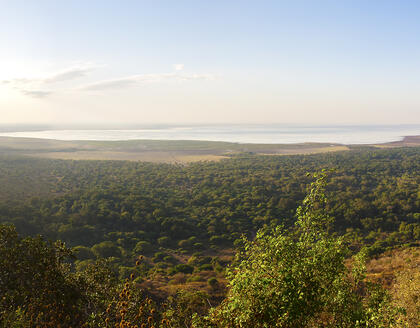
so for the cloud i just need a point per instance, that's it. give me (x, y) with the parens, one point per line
(143, 79)
(40, 87)
(110, 84)
(179, 67)
(65, 75)
(36, 93)
(69, 74)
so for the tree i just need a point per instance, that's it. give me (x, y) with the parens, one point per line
(38, 290)
(297, 277)
(106, 249)
(143, 247)
(84, 253)
(34, 285)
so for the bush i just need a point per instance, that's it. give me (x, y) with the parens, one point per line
(143, 247)
(161, 265)
(170, 259)
(212, 282)
(198, 246)
(183, 268)
(106, 249)
(34, 286)
(206, 267)
(125, 272)
(158, 256)
(194, 278)
(164, 241)
(219, 241)
(298, 278)
(184, 244)
(83, 253)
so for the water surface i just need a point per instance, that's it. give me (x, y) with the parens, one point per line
(281, 134)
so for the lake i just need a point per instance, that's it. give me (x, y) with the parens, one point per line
(275, 133)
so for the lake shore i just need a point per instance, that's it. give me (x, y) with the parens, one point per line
(170, 151)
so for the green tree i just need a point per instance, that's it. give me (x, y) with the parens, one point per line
(297, 277)
(143, 247)
(35, 288)
(83, 253)
(181, 308)
(106, 249)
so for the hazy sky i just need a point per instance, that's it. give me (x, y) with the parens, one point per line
(312, 62)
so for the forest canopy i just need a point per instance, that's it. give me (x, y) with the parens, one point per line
(284, 277)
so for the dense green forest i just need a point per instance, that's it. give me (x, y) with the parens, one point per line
(372, 193)
(187, 220)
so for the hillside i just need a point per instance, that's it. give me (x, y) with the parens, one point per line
(302, 276)
(119, 208)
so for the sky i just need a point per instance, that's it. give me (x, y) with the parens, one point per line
(186, 62)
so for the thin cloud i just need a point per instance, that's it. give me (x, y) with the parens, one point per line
(36, 93)
(40, 87)
(110, 84)
(143, 79)
(65, 75)
(69, 74)
(43, 87)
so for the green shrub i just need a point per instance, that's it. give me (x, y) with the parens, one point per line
(158, 256)
(205, 267)
(83, 253)
(194, 278)
(212, 282)
(164, 241)
(298, 278)
(106, 249)
(170, 259)
(183, 268)
(143, 247)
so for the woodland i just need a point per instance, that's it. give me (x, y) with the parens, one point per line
(322, 240)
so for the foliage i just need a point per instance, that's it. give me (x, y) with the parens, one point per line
(181, 308)
(116, 210)
(298, 278)
(142, 207)
(33, 283)
(406, 294)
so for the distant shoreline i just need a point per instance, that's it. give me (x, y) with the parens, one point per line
(171, 151)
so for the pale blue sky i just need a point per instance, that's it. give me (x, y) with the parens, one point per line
(333, 62)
